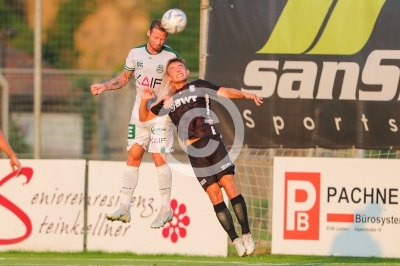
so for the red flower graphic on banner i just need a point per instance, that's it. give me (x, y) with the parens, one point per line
(176, 228)
(28, 173)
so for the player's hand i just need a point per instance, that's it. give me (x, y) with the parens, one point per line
(257, 100)
(147, 94)
(96, 89)
(15, 165)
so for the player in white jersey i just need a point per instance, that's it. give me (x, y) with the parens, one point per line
(148, 63)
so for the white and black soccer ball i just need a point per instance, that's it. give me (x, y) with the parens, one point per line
(174, 21)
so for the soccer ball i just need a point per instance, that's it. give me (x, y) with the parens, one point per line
(174, 21)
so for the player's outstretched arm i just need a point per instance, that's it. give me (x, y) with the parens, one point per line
(144, 113)
(5, 146)
(113, 84)
(237, 94)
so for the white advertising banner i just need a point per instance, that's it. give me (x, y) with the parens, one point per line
(42, 209)
(336, 206)
(194, 229)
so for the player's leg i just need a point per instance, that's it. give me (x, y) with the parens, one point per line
(161, 144)
(239, 207)
(137, 140)
(237, 201)
(200, 155)
(164, 177)
(224, 217)
(225, 177)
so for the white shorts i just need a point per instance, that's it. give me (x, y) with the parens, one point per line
(155, 135)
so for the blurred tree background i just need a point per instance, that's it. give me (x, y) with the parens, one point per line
(83, 42)
(66, 24)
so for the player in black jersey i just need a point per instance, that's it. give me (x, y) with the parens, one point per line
(190, 110)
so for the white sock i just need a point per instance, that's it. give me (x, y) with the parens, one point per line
(129, 182)
(164, 184)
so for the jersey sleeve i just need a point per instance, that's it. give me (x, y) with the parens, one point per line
(158, 109)
(205, 84)
(207, 87)
(129, 61)
(155, 109)
(169, 49)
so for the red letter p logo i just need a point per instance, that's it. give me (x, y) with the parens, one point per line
(302, 196)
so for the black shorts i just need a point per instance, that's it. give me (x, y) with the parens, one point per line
(210, 160)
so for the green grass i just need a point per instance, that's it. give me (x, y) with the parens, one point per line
(102, 258)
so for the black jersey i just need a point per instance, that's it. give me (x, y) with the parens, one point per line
(191, 112)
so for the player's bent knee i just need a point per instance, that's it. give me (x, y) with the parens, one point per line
(135, 155)
(159, 159)
(230, 188)
(214, 192)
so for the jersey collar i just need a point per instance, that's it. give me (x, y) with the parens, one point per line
(162, 48)
(185, 87)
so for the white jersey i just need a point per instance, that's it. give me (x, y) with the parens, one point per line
(149, 71)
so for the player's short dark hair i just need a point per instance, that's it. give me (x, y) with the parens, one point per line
(176, 59)
(156, 24)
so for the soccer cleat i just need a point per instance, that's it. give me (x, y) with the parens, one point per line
(162, 218)
(240, 248)
(120, 215)
(248, 243)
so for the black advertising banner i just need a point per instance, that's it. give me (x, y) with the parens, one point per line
(328, 71)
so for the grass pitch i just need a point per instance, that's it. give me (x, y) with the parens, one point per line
(102, 258)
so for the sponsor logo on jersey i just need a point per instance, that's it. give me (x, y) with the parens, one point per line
(150, 82)
(158, 140)
(160, 69)
(139, 64)
(158, 131)
(185, 100)
(192, 88)
(223, 167)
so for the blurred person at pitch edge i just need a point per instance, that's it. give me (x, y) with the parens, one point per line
(148, 63)
(6, 147)
(190, 110)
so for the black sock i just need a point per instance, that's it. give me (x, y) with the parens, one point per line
(239, 207)
(225, 219)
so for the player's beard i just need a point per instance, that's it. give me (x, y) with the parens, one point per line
(155, 47)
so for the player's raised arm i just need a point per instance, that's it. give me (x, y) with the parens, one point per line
(237, 94)
(144, 113)
(113, 84)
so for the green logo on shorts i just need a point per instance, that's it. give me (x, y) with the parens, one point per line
(131, 131)
(158, 130)
(162, 149)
